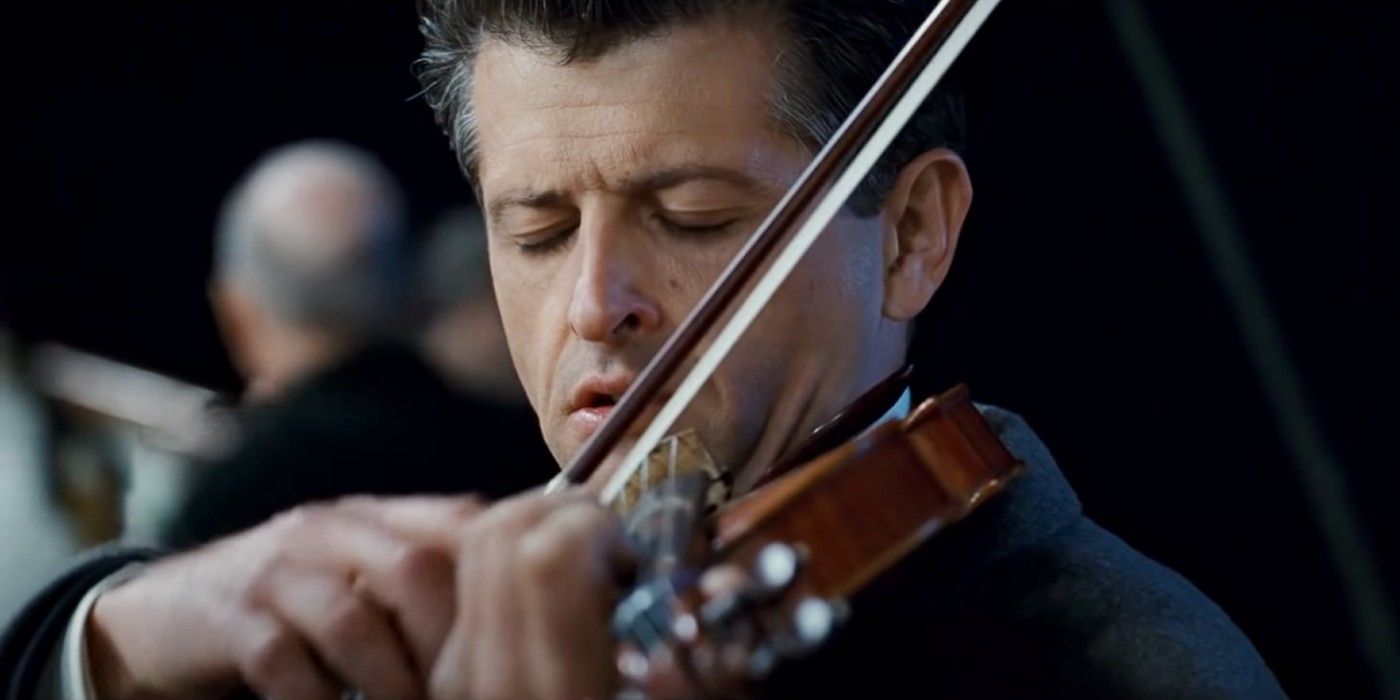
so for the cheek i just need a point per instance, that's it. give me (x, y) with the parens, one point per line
(519, 330)
(816, 330)
(818, 315)
(856, 266)
(678, 275)
(836, 292)
(527, 305)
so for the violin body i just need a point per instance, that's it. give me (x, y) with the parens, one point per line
(862, 506)
(790, 553)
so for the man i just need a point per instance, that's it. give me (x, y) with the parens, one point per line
(622, 151)
(311, 263)
(313, 278)
(464, 339)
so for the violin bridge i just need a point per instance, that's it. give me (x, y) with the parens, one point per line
(675, 455)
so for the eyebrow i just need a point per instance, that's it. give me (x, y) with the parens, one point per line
(647, 182)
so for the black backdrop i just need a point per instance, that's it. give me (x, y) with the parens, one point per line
(1081, 296)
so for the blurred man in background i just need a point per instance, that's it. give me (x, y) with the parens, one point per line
(464, 338)
(311, 263)
(313, 289)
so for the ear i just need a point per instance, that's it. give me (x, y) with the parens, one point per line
(923, 215)
(238, 322)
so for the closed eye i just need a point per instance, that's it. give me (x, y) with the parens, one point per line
(547, 244)
(684, 229)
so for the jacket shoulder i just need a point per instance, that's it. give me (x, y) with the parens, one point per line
(1103, 620)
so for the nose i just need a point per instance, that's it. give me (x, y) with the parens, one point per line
(609, 301)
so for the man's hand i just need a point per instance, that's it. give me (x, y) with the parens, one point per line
(352, 594)
(537, 579)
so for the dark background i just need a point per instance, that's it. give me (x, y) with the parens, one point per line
(1081, 297)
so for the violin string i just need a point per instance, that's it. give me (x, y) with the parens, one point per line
(815, 223)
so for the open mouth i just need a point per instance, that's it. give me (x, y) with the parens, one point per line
(596, 396)
(598, 402)
(595, 399)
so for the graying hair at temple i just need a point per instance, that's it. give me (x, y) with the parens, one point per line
(837, 49)
(357, 291)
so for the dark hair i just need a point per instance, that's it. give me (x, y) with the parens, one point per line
(838, 49)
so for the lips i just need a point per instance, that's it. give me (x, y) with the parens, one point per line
(599, 392)
(595, 397)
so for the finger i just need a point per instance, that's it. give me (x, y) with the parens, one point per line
(411, 579)
(453, 672)
(497, 666)
(568, 571)
(351, 635)
(477, 658)
(274, 662)
(418, 589)
(434, 519)
(597, 532)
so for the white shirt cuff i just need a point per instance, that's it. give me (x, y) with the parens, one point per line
(75, 677)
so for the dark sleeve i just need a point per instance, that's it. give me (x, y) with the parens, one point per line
(31, 636)
(323, 448)
(278, 466)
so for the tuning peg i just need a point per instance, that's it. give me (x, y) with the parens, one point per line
(776, 567)
(814, 618)
(685, 628)
(771, 572)
(632, 664)
(809, 625)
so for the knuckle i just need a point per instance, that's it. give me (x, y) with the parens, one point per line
(584, 516)
(296, 518)
(349, 622)
(468, 505)
(264, 574)
(417, 562)
(258, 590)
(595, 517)
(543, 556)
(352, 502)
(263, 661)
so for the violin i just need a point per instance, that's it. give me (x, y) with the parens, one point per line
(728, 591)
(789, 551)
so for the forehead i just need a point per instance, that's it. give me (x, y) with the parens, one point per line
(696, 95)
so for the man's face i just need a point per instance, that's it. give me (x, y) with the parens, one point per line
(616, 191)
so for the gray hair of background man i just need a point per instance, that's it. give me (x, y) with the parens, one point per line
(317, 234)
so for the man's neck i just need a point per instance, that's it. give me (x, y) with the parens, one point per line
(294, 355)
(814, 425)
